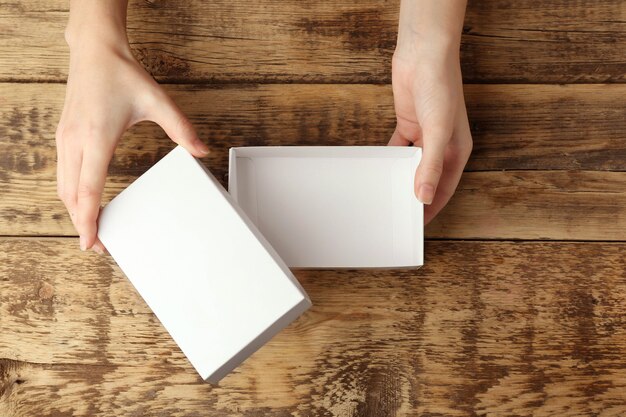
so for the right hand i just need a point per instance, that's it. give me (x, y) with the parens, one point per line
(431, 113)
(108, 91)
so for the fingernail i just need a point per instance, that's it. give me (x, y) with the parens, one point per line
(204, 148)
(83, 244)
(98, 250)
(426, 193)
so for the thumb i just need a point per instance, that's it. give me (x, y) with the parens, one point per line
(178, 127)
(430, 167)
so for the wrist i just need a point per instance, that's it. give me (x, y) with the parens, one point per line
(427, 44)
(94, 23)
(430, 28)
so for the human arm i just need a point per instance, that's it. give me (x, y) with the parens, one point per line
(428, 97)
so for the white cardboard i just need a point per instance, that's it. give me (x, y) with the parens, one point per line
(210, 277)
(332, 207)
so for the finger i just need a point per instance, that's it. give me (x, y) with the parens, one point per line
(59, 146)
(457, 156)
(99, 248)
(407, 132)
(398, 140)
(430, 167)
(72, 161)
(176, 125)
(447, 185)
(61, 185)
(89, 193)
(65, 183)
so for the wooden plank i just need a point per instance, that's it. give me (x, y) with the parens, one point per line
(515, 127)
(277, 41)
(569, 127)
(496, 328)
(564, 205)
(544, 41)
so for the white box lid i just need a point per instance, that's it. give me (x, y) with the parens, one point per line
(333, 206)
(200, 264)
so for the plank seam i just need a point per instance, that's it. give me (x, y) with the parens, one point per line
(429, 239)
(365, 81)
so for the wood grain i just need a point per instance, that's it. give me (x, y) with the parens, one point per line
(291, 41)
(497, 328)
(564, 205)
(515, 127)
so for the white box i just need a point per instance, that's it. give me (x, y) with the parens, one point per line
(203, 268)
(332, 206)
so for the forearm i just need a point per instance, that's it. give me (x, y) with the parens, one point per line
(431, 25)
(102, 21)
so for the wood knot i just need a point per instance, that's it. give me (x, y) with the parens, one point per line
(46, 291)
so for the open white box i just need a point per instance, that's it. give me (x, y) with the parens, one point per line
(332, 206)
(206, 272)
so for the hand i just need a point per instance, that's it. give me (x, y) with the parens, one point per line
(429, 103)
(430, 112)
(107, 92)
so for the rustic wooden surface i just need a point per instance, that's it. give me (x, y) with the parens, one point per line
(327, 41)
(526, 317)
(496, 328)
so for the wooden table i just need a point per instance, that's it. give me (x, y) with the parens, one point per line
(520, 308)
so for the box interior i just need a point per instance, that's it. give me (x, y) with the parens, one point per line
(332, 206)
